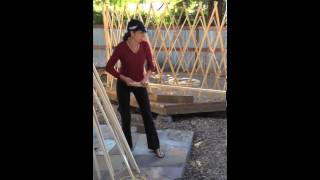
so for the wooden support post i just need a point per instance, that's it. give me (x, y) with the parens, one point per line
(96, 165)
(102, 145)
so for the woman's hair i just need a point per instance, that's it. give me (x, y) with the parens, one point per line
(134, 25)
(126, 36)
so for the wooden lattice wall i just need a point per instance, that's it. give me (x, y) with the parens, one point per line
(168, 39)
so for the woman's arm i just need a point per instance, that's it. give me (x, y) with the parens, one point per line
(150, 62)
(148, 73)
(110, 66)
(112, 61)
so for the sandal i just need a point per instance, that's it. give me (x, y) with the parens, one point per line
(159, 153)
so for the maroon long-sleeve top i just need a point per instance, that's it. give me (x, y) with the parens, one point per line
(132, 64)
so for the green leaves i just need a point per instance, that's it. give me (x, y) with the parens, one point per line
(175, 7)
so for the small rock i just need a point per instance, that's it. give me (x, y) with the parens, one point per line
(193, 163)
(198, 163)
(166, 119)
(197, 144)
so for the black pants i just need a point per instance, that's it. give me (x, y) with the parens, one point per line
(141, 95)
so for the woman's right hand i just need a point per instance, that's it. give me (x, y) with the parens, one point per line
(127, 80)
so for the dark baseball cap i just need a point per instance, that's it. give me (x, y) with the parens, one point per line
(136, 25)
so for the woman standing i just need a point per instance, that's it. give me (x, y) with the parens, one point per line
(133, 51)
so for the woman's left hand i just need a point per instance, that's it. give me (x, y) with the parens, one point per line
(145, 80)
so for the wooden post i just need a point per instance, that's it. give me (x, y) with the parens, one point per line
(96, 165)
(102, 145)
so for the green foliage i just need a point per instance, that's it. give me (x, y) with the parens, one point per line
(175, 8)
(97, 18)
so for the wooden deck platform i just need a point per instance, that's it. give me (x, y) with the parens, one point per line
(171, 100)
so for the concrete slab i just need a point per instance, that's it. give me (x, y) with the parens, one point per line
(176, 144)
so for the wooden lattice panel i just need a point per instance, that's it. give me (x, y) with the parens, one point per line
(170, 39)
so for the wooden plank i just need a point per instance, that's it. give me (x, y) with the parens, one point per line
(178, 88)
(138, 84)
(160, 98)
(171, 98)
(179, 108)
(194, 108)
(176, 108)
(155, 107)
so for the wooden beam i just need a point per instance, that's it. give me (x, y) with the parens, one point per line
(186, 88)
(171, 109)
(158, 98)
(155, 107)
(178, 108)
(171, 98)
(207, 100)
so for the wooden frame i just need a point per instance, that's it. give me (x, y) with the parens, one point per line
(102, 103)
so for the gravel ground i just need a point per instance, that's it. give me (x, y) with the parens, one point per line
(208, 158)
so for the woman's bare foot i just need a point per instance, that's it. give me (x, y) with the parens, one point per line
(159, 153)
